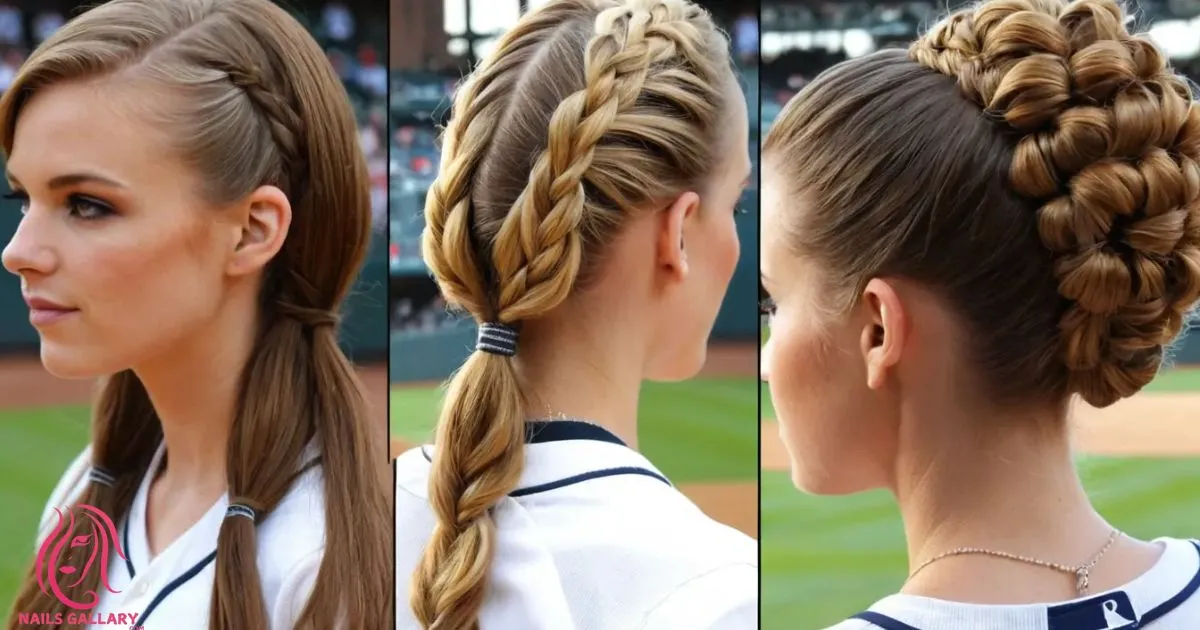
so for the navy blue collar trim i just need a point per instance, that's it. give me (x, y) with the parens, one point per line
(547, 431)
(543, 431)
(1152, 615)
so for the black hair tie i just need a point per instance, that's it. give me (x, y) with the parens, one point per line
(497, 338)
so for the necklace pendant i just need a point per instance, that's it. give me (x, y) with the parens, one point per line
(1081, 581)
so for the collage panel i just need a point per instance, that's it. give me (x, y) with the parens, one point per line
(193, 315)
(980, 272)
(573, 254)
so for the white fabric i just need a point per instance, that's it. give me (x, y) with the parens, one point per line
(1179, 565)
(291, 543)
(624, 552)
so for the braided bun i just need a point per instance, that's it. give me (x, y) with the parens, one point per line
(1108, 147)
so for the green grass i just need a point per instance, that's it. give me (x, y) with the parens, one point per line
(825, 558)
(699, 430)
(38, 446)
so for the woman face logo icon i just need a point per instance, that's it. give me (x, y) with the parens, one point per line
(65, 560)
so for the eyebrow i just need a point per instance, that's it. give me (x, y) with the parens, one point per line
(71, 179)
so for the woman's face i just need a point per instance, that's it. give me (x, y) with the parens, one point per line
(711, 248)
(830, 423)
(116, 255)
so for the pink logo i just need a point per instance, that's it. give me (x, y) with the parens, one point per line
(59, 546)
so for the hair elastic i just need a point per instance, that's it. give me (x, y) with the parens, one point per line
(241, 509)
(102, 477)
(497, 338)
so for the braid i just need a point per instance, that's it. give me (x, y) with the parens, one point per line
(286, 126)
(639, 58)
(1108, 148)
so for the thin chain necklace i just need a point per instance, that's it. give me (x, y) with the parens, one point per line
(1080, 572)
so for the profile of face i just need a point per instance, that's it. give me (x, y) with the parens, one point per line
(119, 258)
(709, 256)
(838, 430)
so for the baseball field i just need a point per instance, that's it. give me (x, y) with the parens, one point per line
(700, 433)
(43, 426)
(824, 559)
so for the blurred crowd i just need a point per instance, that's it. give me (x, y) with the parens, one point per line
(800, 40)
(353, 38)
(419, 101)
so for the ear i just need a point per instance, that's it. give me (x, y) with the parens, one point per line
(261, 227)
(671, 255)
(885, 331)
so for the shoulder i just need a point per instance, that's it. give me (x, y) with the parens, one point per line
(291, 545)
(724, 598)
(68, 489)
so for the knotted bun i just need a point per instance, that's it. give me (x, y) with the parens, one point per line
(1108, 147)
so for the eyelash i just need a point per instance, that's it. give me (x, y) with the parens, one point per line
(76, 201)
(766, 306)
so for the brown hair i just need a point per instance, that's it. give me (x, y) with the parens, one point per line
(250, 100)
(1032, 163)
(585, 112)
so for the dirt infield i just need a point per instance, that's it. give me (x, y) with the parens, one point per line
(1150, 425)
(25, 383)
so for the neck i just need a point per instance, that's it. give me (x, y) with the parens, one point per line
(1013, 490)
(194, 391)
(570, 367)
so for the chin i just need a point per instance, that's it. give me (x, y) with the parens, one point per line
(680, 366)
(829, 481)
(69, 364)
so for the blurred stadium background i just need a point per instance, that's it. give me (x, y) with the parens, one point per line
(824, 559)
(43, 420)
(699, 432)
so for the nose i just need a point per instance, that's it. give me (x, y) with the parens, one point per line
(28, 251)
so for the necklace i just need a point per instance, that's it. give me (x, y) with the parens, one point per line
(1080, 572)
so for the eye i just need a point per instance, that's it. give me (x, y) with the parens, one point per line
(88, 208)
(740, 210)
(766, 306)
(21, 196)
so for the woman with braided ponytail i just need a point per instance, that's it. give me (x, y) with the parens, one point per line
(584, 217)
(958, 240)
(195, 211)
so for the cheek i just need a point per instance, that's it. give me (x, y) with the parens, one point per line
(815, 389)
(140, 291)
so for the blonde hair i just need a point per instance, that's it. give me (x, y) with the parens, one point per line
(584, 112)
(1033, 163)
(248, 99)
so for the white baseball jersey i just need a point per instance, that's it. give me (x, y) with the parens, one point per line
(173, 590)
(593, 538)
(1163, 598)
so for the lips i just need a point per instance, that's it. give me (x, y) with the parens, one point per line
(43, 312)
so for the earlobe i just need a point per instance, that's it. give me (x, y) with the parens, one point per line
(265, 220)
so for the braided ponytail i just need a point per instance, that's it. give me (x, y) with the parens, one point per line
(611, 105)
